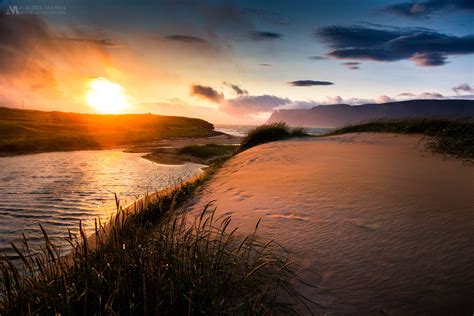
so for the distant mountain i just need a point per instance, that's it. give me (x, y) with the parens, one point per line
(337, 115)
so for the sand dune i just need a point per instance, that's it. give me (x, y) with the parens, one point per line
(379, 224)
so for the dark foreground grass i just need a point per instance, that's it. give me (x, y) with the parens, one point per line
(155, 261)
(208, 150)
(453, 137)
(268, 133)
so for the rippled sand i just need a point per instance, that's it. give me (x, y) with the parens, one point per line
(380, 225)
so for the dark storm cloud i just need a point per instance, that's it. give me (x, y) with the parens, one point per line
(206, 92)
(264, 36)
(26, 40)
(353, 65)
(186, 39)
(424, 9)
(309, 83)
(18, 36)
(424, 47)
(463, 88)
(237, 89)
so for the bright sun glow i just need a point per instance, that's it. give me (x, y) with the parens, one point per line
(106, 96)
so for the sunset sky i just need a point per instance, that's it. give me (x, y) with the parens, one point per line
(232, 61)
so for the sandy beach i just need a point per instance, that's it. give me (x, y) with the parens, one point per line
(377, 223)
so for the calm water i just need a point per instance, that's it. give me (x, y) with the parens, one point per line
(59, 189)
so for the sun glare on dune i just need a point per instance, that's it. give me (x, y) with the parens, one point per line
(106, 96)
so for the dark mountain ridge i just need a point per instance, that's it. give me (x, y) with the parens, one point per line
(337, 115)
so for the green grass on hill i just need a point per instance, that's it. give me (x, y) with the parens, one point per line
(453, 137)
(268, 133)
(152, 262)
(37, 131)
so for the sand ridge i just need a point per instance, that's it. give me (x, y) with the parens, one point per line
(376, 221)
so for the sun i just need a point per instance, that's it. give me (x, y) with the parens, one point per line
(106, 96)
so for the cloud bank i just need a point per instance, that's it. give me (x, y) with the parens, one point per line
(241, 105)
(423, 46)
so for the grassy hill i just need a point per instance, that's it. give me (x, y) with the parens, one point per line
(24, 131)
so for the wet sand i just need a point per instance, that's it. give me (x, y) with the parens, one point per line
(377, 223)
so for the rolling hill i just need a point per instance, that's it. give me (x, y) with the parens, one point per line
(24, 131)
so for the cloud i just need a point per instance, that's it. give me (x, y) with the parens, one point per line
(424, 9)
(463, 88)
(335, 100)
(425, 95)
(186, 39)
(101, 42)
(18, 36)
(237, 89)
(318, 58)
(424, 47)
(354, 65)
(207, 93)
(406, 94)
(385, 99)
(431, 95)
(264, 36)
(265, 65)
(309, 83)
(245, 105)
(429, 59)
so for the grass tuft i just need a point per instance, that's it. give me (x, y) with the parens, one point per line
(154, 261)
(208, 150)
(268, 133)
(453, 137)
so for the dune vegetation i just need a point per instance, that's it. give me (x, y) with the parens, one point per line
(27, 131)
(154, 261)
(207, 150)
(270, 132)
(452, 137)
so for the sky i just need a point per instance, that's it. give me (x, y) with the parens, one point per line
(231, 61)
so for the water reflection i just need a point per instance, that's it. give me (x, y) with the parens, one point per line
(59, 189)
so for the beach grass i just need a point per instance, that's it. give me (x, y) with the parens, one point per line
(452, 137)
(268, 133)
(208, 150)
(155, 261)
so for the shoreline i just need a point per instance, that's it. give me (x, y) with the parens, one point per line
(152, 150)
